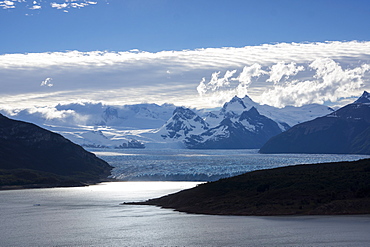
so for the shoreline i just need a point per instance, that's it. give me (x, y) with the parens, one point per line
(340, 188)
(57, 185)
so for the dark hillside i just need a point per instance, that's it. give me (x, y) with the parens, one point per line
(28, 149)
(346, 130)
(331, 188)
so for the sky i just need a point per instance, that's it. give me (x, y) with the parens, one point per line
(192, 53)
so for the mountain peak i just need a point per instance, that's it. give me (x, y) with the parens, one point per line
(235, 105)
(184, 113)
(236, 99)
(365, 98)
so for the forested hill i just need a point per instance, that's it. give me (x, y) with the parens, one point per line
(316, 189)
(32, 155)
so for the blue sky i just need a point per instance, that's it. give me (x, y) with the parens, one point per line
(156, 25)
(193, 53)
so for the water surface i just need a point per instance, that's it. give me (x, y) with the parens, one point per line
(92, 216)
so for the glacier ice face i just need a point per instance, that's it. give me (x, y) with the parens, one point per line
(201, 165)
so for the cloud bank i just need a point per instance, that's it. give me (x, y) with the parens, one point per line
(328, 82)
(276, 74)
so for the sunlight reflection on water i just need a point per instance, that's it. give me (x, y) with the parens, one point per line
(93, 216)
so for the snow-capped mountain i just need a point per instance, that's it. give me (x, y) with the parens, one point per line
(139, 116)
(99, 125)
(183, 122)
(346, 130)
(364, 99)
(286, 117)
(248, 130)
(158, 126)
(238, 124)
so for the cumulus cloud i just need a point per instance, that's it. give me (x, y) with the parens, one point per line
(245, 78)
(47, 82)
(215, 83)
(280, 70)
(219, 90)
(329, 83)
(279, 74)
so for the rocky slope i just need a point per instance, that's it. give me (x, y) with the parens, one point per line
(239, 124)
(247, 130)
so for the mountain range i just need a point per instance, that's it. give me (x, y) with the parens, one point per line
(240, 123)
(346, 130)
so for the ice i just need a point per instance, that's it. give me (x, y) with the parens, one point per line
(201, 165)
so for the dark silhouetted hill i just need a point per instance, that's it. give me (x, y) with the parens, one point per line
(315, 189)
(32, 155)
(346, 130)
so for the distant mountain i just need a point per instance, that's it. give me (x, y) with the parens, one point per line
(28, 149)
(139, 116)
(286, 117)
(346, 130)
(239, 124)
(235, 125)
(182, 122)
(247, 130)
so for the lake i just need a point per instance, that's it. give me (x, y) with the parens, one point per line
(93, 216)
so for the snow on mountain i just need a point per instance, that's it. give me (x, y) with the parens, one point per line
(238, 129)
(139, 116)
(346, 130)
(285, 117)
(181, 124)
(234, 108)
(166, 126)
(290, 115)
(364, 99)
(96, 124)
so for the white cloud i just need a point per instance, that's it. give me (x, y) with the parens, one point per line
(279, 74)
(76, 4)
(279, 70)
(47, 82)
(245, 78)
(36, 5)
(329, 83)
(215, 83)
(7, 4)
(59, 5)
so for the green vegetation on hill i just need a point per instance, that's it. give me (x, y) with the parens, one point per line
(330, 188)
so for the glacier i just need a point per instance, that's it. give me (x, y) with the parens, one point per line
(199, 164)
